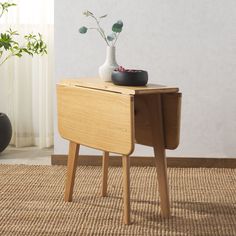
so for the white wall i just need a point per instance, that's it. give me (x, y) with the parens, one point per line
(188, 43)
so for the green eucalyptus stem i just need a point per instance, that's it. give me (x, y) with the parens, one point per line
(104, 37)
(116, 35)
(109, 39)
(100, 30)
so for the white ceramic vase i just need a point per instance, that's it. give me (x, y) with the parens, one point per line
(110, 64)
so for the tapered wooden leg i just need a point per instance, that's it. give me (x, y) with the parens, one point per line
(162, 181)
(156, 120)
(126, 188)
(105, 164)
(71, 169)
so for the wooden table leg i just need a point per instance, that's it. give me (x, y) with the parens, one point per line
(71, 169)
(105, 163)
(126, 188)
(156, 120)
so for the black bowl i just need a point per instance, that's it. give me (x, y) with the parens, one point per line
(130, 78)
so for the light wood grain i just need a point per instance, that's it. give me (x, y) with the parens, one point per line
(171, 110)
(156, 119)
(105, 164)
(96, 83)
(126, 188)
(71, 169)
(171, 105)
(106, 117)
(97, 119)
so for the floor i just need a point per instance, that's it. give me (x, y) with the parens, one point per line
(27, 155)
(203, 202)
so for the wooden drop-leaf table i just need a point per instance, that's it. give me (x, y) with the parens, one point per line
(113, 118)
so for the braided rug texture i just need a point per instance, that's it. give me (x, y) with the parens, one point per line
(203, 202)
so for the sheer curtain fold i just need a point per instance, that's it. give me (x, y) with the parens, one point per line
(26, 84)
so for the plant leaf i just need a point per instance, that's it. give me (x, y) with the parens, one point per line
(18, 54)
(83, 30)
(103, 16)
(117, 28)
(111, 37)
(120, 22)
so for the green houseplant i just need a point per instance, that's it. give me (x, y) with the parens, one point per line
(9, 41)
(32, 44)
(110, 39)
(110, 64)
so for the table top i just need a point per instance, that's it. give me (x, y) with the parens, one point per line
(96, 83)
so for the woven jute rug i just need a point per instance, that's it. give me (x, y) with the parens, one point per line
(203, 202)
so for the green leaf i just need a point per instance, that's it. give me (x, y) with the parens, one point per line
(103, 16)
(120, 22)
(117, 28)
(111, 37)
(33, 44)
(5, 41)
(11, 32)
(83, 30)
(4, 7)
(18, 55)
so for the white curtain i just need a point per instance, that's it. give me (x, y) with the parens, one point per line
(26, 84)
